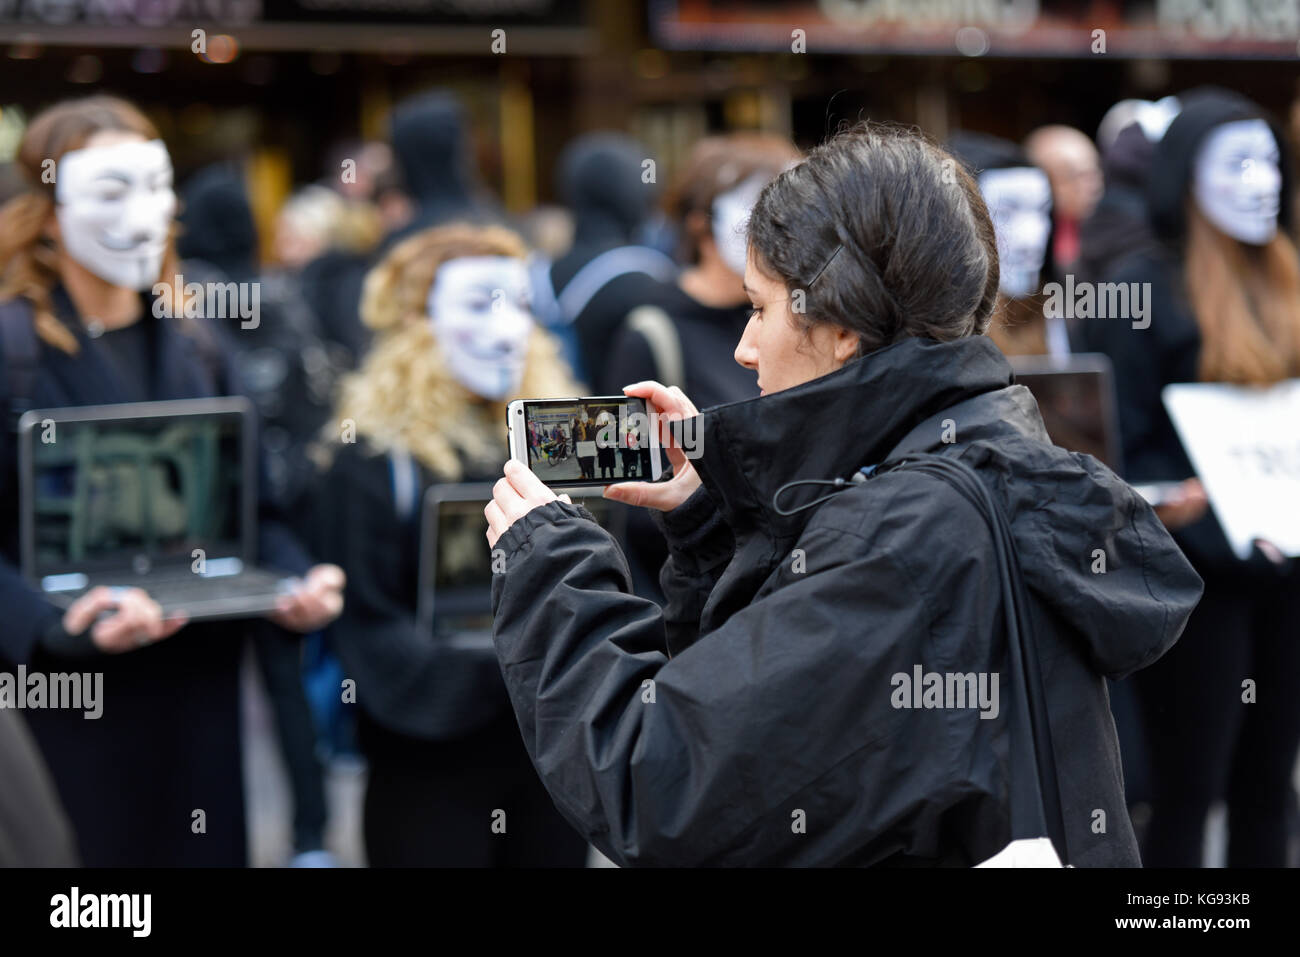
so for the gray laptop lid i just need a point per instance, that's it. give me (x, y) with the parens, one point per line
(1076, 397)
(137, 487)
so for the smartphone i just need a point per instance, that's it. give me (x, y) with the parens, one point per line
(581, 445)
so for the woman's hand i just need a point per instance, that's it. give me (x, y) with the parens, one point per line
(315, 603)
(137, 619)
(672, 405)
(514, 496)
(1186, 505)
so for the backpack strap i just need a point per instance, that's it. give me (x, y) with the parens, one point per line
(609, 265)
(22, 358)
(1034, 791)
(660, 333)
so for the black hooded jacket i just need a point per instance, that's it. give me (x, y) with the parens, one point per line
(751, 721)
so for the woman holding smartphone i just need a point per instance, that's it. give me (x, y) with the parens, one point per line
(756, 719)
(453, 343)
(156, 780)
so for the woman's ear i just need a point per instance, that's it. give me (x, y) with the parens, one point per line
(845, 345)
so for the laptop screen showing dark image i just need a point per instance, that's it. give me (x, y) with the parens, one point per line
(137, 492)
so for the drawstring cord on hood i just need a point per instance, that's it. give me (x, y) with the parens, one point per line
(839, 484)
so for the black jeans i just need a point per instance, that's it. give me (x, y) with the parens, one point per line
(1206, 743)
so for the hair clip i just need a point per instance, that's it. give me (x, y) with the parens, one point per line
(838, 249)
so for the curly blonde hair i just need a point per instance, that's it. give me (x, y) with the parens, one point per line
(28, 260)
(404, 396)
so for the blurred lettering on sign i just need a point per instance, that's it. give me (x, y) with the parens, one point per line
(1244, 444)
(1067, 28)
(227, 13)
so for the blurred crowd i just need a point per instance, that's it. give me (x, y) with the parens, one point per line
(379, 369)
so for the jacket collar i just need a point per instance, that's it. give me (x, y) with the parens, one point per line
(834, 425)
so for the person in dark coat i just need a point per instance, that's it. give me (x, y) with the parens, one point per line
(757, 719)
(1223, 306)
(284, 366)
(429, 406)
(588, 292)
(1019, 197)
(156, 780)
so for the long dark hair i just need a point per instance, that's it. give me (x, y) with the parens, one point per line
(882, 232)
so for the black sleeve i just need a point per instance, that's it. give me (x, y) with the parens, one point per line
(56, 641)
(700, 546)
(708, 757)
(27, 615)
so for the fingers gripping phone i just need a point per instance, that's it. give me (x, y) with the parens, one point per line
(581, 445)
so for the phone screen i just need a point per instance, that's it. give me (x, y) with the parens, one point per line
(591, 441)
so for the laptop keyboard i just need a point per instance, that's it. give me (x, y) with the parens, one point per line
(175, 593)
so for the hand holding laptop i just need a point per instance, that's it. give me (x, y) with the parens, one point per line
(127, 619)
(316, 601)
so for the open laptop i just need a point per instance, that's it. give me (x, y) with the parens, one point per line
(1076, 398)
(455, 577)
(154, 495)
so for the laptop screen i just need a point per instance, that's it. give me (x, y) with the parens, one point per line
(1077, 403)
(136, 493)
(456, 592)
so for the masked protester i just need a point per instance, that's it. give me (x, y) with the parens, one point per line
(759, 718)
(79, 260)
(683, 332)
(1224, 307)
(1019, 199)
(453, 343)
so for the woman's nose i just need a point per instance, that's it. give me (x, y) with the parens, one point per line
(747, 349)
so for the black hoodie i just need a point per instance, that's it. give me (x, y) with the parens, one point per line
(600, 181)
(428, 134)
(761, 696)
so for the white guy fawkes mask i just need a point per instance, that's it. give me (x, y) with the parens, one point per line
(114, 206)
(730, 217)
(1020, 204)
(1237, 181)
(479, 309)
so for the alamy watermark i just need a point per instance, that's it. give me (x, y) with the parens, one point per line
(932, 689)
(209, 300)
(78, 691)
(1098, 300)
(131, 912)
